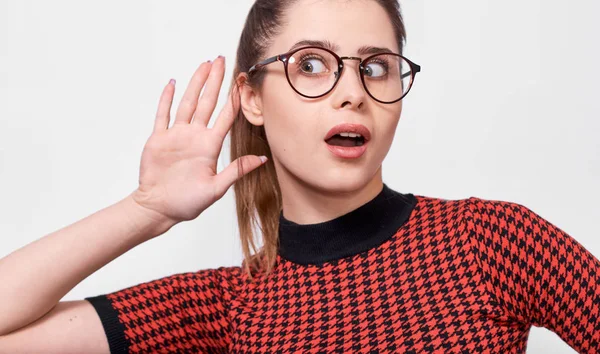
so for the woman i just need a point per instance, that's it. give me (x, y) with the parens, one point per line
(348, 264)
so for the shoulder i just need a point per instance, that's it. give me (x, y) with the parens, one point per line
(226, 279)
(501, 215)
(495, 206)
(503, 223)
(479, 213)
(465, 205)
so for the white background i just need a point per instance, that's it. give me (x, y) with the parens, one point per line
(506, 107)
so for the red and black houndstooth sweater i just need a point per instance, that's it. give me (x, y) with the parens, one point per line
(403, 273)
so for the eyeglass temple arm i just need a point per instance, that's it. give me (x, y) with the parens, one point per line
(263, 63)
(417, 69)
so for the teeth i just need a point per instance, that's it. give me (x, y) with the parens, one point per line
(351, 135)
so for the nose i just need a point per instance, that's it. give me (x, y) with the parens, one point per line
(349, 89)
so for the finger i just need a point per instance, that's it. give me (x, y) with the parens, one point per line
(228, 114)
(236, 170)
(189, 101)
(207, 103)
(161, 122)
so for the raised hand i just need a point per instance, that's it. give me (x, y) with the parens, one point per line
(178, 170)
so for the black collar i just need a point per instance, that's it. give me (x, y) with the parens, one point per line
(359, 230)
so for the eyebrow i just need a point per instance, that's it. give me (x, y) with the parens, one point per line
(365, 49)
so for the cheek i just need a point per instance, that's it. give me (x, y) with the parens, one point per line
(290, 125)
(390, 119)
(386, 129)
(295, 127)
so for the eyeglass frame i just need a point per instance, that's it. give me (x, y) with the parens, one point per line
(414, 69)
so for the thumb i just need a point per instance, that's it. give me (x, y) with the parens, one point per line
(236, 170)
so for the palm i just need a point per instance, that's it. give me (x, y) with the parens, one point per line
(181, 166)
(178, 169)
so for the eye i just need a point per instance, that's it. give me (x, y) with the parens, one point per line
(376, 68)
(312, 65)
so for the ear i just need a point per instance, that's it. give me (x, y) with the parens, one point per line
(250, 100)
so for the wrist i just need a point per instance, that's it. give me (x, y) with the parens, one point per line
(148, 223)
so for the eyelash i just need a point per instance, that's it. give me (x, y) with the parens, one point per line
(306, 57)
(309, 55)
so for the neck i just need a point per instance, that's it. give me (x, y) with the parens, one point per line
(357, 231)
(307, 204)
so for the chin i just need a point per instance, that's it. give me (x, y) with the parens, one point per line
(341, 180)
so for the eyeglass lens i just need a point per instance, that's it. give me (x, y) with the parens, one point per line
(313, 72)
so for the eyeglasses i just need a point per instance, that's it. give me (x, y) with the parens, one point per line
(314, 71)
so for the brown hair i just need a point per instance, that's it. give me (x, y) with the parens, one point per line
(257, 194)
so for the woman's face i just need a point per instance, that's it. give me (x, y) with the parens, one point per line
(296, 126)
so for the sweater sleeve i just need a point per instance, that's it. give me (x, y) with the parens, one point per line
(537, 273)
(186, 312)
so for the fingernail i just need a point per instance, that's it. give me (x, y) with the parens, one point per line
(220, 56)
(263, 159)
(208, 61)
(172, 81)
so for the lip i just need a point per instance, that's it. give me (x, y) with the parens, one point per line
(348, 152)
(350, 128)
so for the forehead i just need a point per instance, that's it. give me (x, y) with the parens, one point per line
(349, 26)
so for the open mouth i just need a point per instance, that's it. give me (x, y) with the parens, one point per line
(348, 141)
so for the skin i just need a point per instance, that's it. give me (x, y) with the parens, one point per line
(179, 180)
(316, 185)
